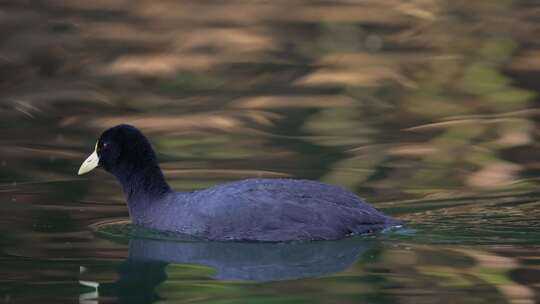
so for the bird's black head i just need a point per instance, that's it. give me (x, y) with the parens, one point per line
(126, 153)
(124, 147)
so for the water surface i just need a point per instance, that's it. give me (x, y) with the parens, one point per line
(428, 109)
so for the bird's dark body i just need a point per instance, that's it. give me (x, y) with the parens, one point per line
(264, 210)
(250, 210)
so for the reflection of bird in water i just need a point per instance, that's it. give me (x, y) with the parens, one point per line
(255, 261)
(144, 269)
(137, 284)
(254, 209)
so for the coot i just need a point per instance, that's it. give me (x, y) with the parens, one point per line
(249, 210)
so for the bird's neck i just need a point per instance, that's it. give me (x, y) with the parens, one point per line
(142, 186)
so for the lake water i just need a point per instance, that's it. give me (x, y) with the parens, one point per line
(428, 109)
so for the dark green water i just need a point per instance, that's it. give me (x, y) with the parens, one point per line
(428, 109)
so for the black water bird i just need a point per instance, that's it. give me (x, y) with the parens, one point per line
(249, 210)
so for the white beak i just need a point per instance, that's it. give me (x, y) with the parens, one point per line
(90, 163)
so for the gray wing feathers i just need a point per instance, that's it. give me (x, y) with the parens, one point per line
(278, 209)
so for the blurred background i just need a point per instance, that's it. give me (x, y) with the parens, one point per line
(427, 108)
